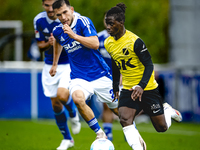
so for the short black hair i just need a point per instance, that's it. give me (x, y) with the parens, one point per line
(118, 12)
(59, 3)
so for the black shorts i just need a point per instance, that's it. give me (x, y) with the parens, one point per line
(152, 102)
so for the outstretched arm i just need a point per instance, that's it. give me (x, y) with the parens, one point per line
(57, 51)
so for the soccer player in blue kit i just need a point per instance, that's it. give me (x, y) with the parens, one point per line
(56, 87)
(89, 72)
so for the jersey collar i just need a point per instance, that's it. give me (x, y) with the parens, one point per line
(51, 21)
(75, 19)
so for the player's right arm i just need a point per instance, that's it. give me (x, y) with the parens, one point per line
(42, 43)
(116, 79)
(57, 49)
(43, 46)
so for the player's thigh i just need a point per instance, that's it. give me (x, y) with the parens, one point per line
(128, 108)
(152, 103)
(64, 72)
(63, 85)
(103, 89)
(77, 85)
(125, 100)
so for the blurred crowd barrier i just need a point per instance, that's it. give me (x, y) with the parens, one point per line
(21, 93)
(181, 89)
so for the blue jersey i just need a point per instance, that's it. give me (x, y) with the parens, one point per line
(43, 28)
(85, 63)
(102, 36)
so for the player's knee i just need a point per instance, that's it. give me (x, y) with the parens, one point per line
(63, 97)
(63, 94)
(79, 99)
(57, 106)
(161, 128)
(125, 121)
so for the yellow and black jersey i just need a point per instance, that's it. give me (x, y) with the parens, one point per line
(133, 60)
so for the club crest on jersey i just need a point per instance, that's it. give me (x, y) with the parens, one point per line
(62, 39)
(125, 51)
(74, 30)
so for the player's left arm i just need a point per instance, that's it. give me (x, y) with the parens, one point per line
(144, 56)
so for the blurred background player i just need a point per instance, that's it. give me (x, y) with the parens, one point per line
(56, 87)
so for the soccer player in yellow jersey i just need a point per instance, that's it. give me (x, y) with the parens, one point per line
(131, 58)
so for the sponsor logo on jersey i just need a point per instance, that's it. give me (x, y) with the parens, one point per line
(75, 45)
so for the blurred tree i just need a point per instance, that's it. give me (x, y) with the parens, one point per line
(147, 19)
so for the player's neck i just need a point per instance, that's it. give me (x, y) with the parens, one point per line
(120, 34)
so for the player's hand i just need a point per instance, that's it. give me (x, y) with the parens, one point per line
(52, 71)
(51, 39)
(116, 96)
(137, 92)
(68, 30)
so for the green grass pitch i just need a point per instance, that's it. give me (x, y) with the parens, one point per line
(44, 135)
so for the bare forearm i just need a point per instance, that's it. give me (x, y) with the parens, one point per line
(57, 51)
(90, 42)
(43, 46)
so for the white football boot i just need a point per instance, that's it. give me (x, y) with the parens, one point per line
(65, 144)
(75, 124)
(101, 134)
(176, 115)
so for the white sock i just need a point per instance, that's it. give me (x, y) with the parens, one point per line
(132, 137)
(168, 114)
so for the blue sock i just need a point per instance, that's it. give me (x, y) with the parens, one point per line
(94, 125)
(71, 107)
(107, 127)
(61, 122)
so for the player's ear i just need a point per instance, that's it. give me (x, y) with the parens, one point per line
(121, 23)
(43, 4)
(72, 9)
